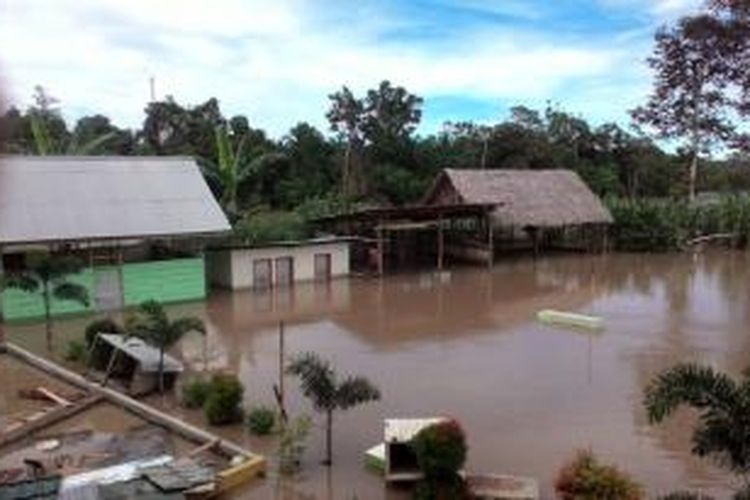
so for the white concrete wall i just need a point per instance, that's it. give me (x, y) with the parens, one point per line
(234, 268)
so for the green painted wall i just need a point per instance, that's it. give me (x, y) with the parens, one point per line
(18, 304)
(165, 280)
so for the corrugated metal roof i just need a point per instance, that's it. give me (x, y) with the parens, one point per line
(402, 430)
(146, 355)
(64, 198)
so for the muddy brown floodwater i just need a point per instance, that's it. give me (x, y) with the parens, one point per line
(465, 343)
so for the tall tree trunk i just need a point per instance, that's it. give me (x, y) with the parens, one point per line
(347, 171)
(693, 175)
(329, 438)
(483, 161)
(47, 316)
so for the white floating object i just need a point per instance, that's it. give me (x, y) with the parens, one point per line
(570, 319)
(501, 487)
(48, 445)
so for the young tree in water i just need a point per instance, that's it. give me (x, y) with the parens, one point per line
(723, 405)
(690, 100)
(321, 385)
(49, 276)
(151, 323)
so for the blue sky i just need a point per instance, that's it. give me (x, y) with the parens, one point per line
(277, 60)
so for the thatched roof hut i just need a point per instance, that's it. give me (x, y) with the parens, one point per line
(533, 198)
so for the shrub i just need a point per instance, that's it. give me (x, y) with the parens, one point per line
(76, 352)
(292, 444)
(584, 478)
(440, 449)
(195, 393)
(101, 325)
(266, 226)
(223, 404)
(261, 420)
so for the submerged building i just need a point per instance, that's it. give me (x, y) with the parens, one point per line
(139, 223)
(472, 215)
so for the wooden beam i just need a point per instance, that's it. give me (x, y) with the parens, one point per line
(381, 251)
(490, 241)
(441, 244)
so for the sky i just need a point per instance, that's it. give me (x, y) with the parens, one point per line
(276, 61)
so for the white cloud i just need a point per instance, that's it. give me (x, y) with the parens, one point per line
(273, 60)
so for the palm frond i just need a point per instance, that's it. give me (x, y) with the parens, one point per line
(693, 385)
(354, 391)
(71, 291)
(317, 379)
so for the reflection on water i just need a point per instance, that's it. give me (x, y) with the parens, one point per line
(465, 343)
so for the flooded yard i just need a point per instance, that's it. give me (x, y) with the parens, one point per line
(465, 343)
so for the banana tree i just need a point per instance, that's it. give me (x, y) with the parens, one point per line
(228, 169)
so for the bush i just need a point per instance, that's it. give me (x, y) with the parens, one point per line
(267, 226)
(223, 404)
(76, 352)
(292, 444)
(440, 449)
(261, 420)
(584, 478)
(101, 325)
(195, 393)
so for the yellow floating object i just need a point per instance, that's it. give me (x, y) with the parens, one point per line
(551, 316)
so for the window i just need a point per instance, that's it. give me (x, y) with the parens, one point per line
(322, 266)
(284, 271)
(262, 274)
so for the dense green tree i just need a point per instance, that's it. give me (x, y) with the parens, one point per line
(346, 118)
(97, 135)
(171, 129)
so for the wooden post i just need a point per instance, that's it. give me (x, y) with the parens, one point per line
(490, 241)
(441, 244)
(381, 250)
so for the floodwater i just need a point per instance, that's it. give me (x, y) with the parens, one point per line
(465, 343)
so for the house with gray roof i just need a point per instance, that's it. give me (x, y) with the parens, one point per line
(138, 222)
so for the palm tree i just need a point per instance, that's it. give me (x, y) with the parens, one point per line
(49, 275)
(151, 323)
(320, 384)
(723, 404)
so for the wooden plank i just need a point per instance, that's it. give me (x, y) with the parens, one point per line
(53, 397)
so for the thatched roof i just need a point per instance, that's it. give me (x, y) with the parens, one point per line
(542, 198)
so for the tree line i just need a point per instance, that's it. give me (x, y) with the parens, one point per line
(372, 153)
